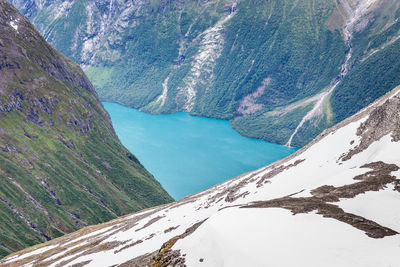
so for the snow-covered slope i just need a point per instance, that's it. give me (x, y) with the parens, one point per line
(336, 202)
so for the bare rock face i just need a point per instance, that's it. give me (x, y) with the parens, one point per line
(384, 120)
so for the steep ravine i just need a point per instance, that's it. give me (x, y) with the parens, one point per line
(354, 15)
(62, 166)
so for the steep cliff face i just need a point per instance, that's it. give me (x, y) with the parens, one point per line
(61, 164)
(333, 203)
(281, 71)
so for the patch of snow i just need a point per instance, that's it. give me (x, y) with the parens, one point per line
(378, 206)
(64, 252)
(174, 217)
(323, 159)
(381, 150)
(14, 24)
(88, 236)
(32, 253)
(275, 237)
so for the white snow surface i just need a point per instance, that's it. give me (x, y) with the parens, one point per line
(275, 237)
(234, 236)
(14, 24)
(34, 252)
(381, 206)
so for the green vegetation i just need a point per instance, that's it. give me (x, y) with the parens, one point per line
(268, 126)
(61, 164)
(366, 82)
(376, 66)
(298, 46)
(286, 41)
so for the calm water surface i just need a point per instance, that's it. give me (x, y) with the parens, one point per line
(187, 154)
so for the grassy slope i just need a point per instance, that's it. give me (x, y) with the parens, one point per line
(61, 164)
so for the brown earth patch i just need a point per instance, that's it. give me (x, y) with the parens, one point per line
(81, 264)
(374, 180)
(170, 229)
(150, 222)
(306, 205)
(128, 246)
(165, 256)
(168, 257)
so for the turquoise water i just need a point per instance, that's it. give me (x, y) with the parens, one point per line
(187, 154)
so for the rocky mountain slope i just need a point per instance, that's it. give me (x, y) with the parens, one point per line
(281, 71)
(62, 166)
(333, 203)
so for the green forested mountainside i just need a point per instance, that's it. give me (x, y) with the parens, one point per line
(257, 63)
(375, 58)
(61, 164)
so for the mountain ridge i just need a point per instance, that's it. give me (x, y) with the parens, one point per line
(62, 166)
(265, 69)
(341, 203)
